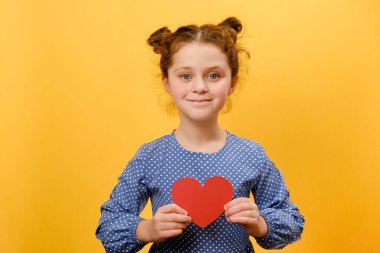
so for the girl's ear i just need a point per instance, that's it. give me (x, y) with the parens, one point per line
(165, 82)
(234, 81)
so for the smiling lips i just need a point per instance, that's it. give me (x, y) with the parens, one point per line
(199, 100)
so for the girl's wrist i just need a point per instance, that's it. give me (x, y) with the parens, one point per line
(260, 229)
(263, 227)
(143, 231)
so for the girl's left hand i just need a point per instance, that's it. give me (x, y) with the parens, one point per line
(246, 213)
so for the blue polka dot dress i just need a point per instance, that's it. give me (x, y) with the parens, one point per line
(157, 165)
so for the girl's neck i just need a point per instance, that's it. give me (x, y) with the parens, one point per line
(201, 136)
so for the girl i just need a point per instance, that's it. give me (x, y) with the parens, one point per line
(199, 70)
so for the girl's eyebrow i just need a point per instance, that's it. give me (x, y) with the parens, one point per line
(217, 67)
(190, 68)
(182, 68)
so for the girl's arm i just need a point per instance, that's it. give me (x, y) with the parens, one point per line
(285, 223)
(119, 215)
(169, 221)
(246, 213)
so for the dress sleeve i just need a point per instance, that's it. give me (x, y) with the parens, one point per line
(285, 223)
(119, 215)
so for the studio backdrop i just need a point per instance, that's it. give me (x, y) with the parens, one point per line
(80, 92)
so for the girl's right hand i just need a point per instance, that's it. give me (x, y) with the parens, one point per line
(169, 221)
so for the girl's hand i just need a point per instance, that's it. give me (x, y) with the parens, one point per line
(169, 221)
(246, 213)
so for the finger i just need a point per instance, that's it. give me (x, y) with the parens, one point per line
(172, 226)
(171, 233)
(244, 220)
(174, 217)
(173, 208)
(239, 208)
(248, 214)
(236, 201)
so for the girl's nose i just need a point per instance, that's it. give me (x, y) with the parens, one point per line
(200, 86)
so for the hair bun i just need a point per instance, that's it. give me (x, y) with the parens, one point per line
(233, 23)
(158, 38)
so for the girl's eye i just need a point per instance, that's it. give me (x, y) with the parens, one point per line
(213, 75)
(185, 77)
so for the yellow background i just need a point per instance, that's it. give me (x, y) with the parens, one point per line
(80, 93)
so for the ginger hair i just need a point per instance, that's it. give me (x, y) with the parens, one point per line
(223, 35)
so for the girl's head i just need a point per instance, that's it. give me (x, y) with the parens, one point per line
(184, 46)
(223, 35)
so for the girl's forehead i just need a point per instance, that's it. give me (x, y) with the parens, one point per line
(199, 53)
(197, 46)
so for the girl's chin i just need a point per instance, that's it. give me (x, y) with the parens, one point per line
(200, 117)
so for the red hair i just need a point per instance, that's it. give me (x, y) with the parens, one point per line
(223, 35)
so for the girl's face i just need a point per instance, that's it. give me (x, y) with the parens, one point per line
(199, 81)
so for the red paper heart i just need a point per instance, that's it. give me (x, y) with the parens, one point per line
(204, 205)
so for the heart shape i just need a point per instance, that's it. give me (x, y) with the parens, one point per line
(204, 205)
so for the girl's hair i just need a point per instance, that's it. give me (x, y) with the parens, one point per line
(223, 35)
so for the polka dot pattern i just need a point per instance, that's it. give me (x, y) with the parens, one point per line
(157, 165)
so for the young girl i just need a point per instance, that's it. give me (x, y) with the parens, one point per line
(199, 70)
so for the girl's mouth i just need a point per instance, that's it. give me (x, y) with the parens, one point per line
(200, 100)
